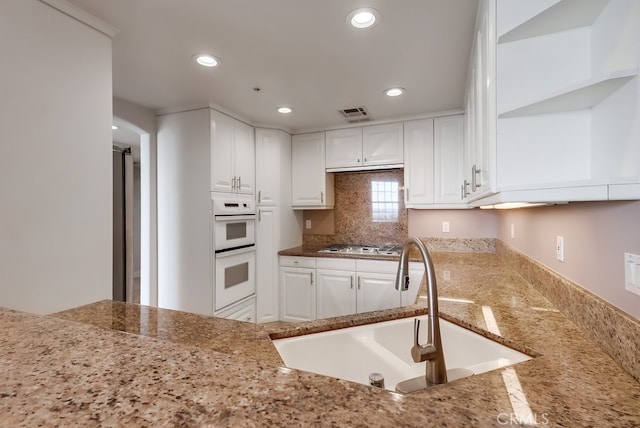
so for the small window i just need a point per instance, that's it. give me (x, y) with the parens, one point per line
(384, 201)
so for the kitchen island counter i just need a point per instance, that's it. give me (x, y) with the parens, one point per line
(112, 363)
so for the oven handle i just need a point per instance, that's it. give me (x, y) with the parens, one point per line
(230, 218)
(235, 251)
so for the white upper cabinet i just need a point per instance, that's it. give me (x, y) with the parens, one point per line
(382, 145)
(232, 155)
(418, 171)
(567, 122)
(433, 171)
(273, 163)
(343, 148)
(312, 187)
(448, 159)
(370, 147)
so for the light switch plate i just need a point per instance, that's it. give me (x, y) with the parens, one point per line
(632, 272)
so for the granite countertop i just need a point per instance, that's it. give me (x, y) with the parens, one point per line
(113, 364)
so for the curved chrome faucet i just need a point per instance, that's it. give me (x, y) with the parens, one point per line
(432, 353)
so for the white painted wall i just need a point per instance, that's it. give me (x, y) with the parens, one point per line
(55, 162)
(184, 212)
(596, 235)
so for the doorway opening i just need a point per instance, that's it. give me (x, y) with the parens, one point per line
(126, 214)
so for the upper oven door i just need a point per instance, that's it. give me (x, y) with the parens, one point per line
(234, 231)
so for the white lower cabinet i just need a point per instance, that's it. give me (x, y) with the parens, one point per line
(329, 287)
(377, 291)
(336, 293)
(267, 233)
(297, 289)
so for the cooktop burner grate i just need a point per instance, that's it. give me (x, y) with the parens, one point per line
(384, 250)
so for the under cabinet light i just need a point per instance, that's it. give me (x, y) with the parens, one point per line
(284, 110)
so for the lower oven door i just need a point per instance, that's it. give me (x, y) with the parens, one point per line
(235, 272)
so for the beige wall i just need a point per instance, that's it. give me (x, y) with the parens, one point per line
(596, 235)
(475, 223)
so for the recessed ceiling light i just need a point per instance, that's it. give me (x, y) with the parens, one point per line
(206, 60)
(394, 92)
(284, 110)
(363, 18)
(114, 127)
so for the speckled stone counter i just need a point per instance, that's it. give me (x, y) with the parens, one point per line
(138, 366)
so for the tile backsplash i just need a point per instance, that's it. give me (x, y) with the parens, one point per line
(356, 208)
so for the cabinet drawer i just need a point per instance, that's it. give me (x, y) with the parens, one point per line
(244, 311)
(377, 266)
(301, 262)
(336, 264)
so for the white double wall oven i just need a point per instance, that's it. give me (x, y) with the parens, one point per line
(234, 250)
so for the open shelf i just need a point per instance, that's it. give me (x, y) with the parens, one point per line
(564, 15)
(580, 96)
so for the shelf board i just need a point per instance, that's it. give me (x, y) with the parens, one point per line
(580, 96)
(562, 16)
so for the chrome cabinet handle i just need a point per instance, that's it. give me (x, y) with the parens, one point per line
(359, 283)
(259, 199)
(466, 188)
(322, 197)
(474, 174)
(358, 160)
(233, 183)
(351, 278)
(239, 184)
(311, 277)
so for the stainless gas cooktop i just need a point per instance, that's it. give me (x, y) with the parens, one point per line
(384, 250)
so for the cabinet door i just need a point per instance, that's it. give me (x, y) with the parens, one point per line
(336, 293)
(297, 294)
(418, 170)
(309, 181)
(222, 130)
(267, 166)
(382, 144)
(448, 159)
(244, 158)
(267, 265)
(377, 291)
(344, 148)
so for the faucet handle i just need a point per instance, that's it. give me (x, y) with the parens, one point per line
(416, 349)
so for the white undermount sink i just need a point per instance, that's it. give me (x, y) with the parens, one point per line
(354, 353)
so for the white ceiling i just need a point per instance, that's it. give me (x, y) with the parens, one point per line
(300, 53)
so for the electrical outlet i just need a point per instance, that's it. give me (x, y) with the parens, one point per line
(307, 224)
(446, 275)
(445, 226)
(513, 231)
(560, 248)
(632, 272)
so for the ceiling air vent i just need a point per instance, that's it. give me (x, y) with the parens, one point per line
(355, 114)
